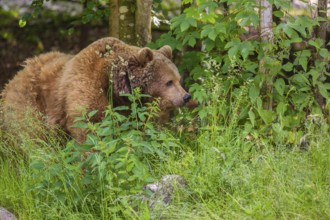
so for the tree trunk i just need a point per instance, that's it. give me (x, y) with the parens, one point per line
(143, 22)
(321, 32)
(130, 21)
(266, 21)
(266, 35)
(113, 18)
(84, 31)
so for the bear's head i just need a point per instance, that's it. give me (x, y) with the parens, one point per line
(156, 75)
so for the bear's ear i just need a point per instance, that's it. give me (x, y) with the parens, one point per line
(144, 56)
(166, 51)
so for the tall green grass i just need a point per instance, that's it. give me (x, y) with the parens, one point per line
(263, 184)
(231, 173)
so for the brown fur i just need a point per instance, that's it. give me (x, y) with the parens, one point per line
(59, 85)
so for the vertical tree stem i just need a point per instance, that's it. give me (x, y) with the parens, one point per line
(266, 35)
(321, 32)
(143, 21)
(130, 21)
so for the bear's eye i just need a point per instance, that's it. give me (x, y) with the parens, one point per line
(169, 83)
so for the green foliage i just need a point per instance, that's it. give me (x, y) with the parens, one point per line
(231, 172)
(92, 11)
(249, 172)
(110, 167)
(95, 10)
(214, 31)
(241, 160)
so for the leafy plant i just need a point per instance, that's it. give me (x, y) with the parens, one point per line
(111, 166)
(213, 30)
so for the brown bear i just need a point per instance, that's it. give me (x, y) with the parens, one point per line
(59, 85)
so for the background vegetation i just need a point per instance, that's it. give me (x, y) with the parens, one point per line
(257, 146)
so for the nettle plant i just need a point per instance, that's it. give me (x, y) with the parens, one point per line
(112, 165)
(208, 32)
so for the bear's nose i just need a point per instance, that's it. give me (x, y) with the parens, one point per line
(186, 97)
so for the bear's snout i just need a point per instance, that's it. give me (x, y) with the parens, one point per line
(186, 97)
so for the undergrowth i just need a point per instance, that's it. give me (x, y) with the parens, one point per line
(245, 152)
(232, 172)
(238, 159)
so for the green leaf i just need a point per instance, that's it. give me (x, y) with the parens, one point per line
(233, 51)
(317, 43)
(280, 86)
(289, 31)
(254, 93)
(301, 100)
(80, 125)
(300, 79)
(315, 76)
(287, 67)
(266, 116)
(209, 44)
(177, 21)
(92, 113)
(79, 119)
(259, 103)
(234, 46)
(111, 147)
(192, 42)
(233, 43)
(142, 116)
(206, 30)
(277, 128)
(120, 117)
(281, 3)
(190, 39)
(184, 26)
(302, 58)
(323, 88)
(278, 14)
(298, 28)
(324, 53)
(281, 108)
(252, 117)
(212, 35)
(303, 62)
(186, 1)
(192, 22)
(105, 131)
(121, 108)
(221, 28)
(202, 113)
(22, 23)
(246, 48)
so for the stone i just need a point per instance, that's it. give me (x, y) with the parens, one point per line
(6, 215)
(162, 191)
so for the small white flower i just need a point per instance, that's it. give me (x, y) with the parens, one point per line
(156, 21)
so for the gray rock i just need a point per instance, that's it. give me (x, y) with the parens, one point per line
(6, 215)
(162, 191)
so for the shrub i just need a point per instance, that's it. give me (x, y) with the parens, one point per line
(210, 33)
(111, 167)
